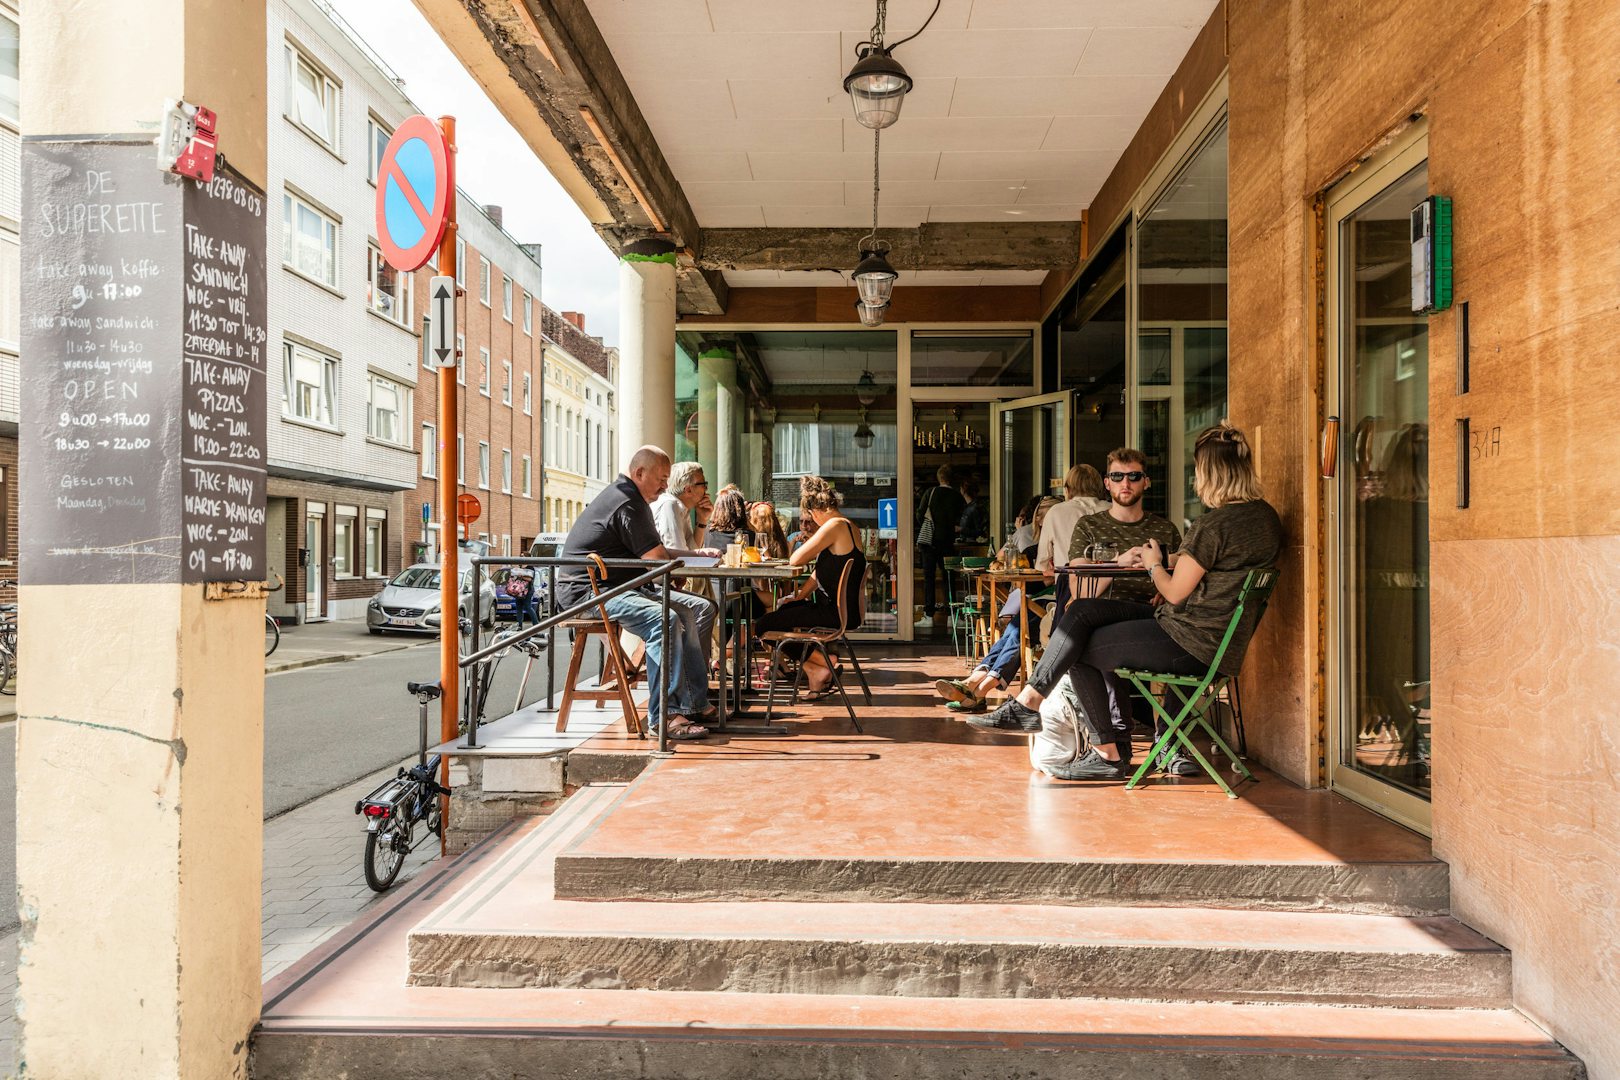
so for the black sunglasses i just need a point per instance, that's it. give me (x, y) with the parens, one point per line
(1133, 476)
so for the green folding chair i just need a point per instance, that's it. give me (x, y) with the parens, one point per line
(1199, 694)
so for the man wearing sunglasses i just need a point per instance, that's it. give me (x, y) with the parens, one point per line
(1126, 524)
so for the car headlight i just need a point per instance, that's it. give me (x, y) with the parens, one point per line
(375, 604)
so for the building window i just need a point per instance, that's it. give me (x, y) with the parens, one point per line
(430, 451)
(461, 262)
(343, 541)
(483, 465)
(461, 359)
(388, 292)
(385, 410)
(9, 98)
(309, 385)
(483, 372)
(585, 456)
(376, 541)
(312, 99)
(506, 382)
(527, 396)
(528, 314)
(308, 240)
(483, 280)
(566, 457)
(377, 136)
(506, 471)
(528, 469)
(461, 462)
(506, 298)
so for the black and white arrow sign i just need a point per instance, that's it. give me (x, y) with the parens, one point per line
(442, 322)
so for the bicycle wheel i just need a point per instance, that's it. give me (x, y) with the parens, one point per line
(383, 857)
(272, 634)
(8, 672)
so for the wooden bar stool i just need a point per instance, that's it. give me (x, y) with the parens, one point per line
(615, 664)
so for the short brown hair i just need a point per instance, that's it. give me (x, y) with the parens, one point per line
(1084, 480)
(1223, 467)
(1127, 455)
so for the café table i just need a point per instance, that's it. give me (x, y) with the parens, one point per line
(994, 588)
(746, 573)
(1089, 577)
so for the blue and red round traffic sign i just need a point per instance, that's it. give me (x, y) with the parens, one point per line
(415, 183)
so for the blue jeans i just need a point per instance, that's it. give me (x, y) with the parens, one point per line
(1002, 659)
(697, 621)
(688, 682)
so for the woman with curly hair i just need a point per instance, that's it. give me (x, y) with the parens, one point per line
(728, 524)
(836, 543)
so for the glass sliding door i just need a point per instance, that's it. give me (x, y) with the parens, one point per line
(1380, 752)
(1029, 456)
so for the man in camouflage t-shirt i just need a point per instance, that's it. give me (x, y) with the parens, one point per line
(1125, 524)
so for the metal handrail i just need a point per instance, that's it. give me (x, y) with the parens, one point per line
(549, 624)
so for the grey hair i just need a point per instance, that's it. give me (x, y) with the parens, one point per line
(645, 458)
(682, 474)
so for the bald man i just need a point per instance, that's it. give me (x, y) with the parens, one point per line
(618, 524)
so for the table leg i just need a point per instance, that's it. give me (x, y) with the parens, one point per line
(745, 635)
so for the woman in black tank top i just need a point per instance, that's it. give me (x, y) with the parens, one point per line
(835, 544)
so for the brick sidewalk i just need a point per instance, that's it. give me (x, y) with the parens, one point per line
(313, 886)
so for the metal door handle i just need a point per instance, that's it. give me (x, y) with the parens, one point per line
(1330, 449)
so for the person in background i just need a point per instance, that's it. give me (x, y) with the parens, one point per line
(975, 521)
(999, 665)
(835, 544)
(618, 524)
(938, 512)
(1199, 589)
(1084, 495)
(673, 511)
(729, 522)
(766, 528)
(1023, 534)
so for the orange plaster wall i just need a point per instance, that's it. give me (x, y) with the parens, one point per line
(1523, 112)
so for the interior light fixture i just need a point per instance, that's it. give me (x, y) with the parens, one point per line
(877, 85)
(870, 317)
(866, 388)
(874, 277)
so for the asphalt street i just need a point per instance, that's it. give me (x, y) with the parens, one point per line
(323, 728)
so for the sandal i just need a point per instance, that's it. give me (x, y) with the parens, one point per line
(972, 705)
(686, 731)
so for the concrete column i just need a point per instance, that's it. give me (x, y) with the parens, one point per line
(719, 417)
(142, 434)
(647, 345)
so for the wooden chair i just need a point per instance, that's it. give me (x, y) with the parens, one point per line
(616, 675)
(817, 639)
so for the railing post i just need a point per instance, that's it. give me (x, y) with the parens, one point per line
(663, 673)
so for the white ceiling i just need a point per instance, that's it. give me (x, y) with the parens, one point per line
(1020, 109)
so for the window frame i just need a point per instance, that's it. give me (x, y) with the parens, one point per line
(401, 317)
(378, 520)
(461, 460)
(506, 298)
(375, 126)
(483, 281)
(349, 551)
(483, 372)
(483, 465)
(429, 453)
(331, 88)
(528, 477)
(528, 313)
(332, 226)
(506, 382)
(461, 359)
(528, 394)
(506, 471)
(461, 262)
(329, 389)
(403, 402)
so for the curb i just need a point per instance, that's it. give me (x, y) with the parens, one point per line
(338, 658)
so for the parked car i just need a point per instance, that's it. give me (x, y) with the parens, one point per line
(411, 601)
(547, 545)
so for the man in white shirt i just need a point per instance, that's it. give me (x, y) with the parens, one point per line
(687, 494)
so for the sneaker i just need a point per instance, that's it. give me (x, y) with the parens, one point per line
(952, 690)
(1182, 765)
(976, 705)
(1089, 766)
(1012, 716)
(925, 623)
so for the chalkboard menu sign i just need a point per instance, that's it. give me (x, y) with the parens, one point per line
(142, 437)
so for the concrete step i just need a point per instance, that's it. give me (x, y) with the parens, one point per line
(417, 1033)
(504, 929)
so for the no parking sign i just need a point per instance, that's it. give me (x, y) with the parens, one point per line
(415, 183)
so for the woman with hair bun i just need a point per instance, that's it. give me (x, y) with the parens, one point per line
(1199, 588)
(835, 543)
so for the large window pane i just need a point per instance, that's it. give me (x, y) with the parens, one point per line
(1181, 325)
(9, 39)
(1089, 329)
(968, 359)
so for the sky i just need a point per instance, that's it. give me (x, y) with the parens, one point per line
(494, 165)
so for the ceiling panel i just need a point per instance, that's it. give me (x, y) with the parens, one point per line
(1020, 108)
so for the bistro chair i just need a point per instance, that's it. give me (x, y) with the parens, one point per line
(1199, 694)
(616, 665)
(817, 639)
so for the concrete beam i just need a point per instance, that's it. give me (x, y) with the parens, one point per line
(965, 245)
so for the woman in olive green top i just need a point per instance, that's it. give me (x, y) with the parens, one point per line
(1199, 590)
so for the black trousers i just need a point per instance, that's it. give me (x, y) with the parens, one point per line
(1092, 639)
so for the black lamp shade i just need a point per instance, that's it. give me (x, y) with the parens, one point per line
(877, 86)
(864, 435)
(874, 279)
(866, 389)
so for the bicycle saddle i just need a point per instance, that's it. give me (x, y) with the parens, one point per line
(428, 690)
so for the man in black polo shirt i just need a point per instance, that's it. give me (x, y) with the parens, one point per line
(618, 524)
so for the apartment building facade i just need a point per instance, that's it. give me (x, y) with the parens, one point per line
(581, 454)
(341, 453)
(10, 285)
(498, 380)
